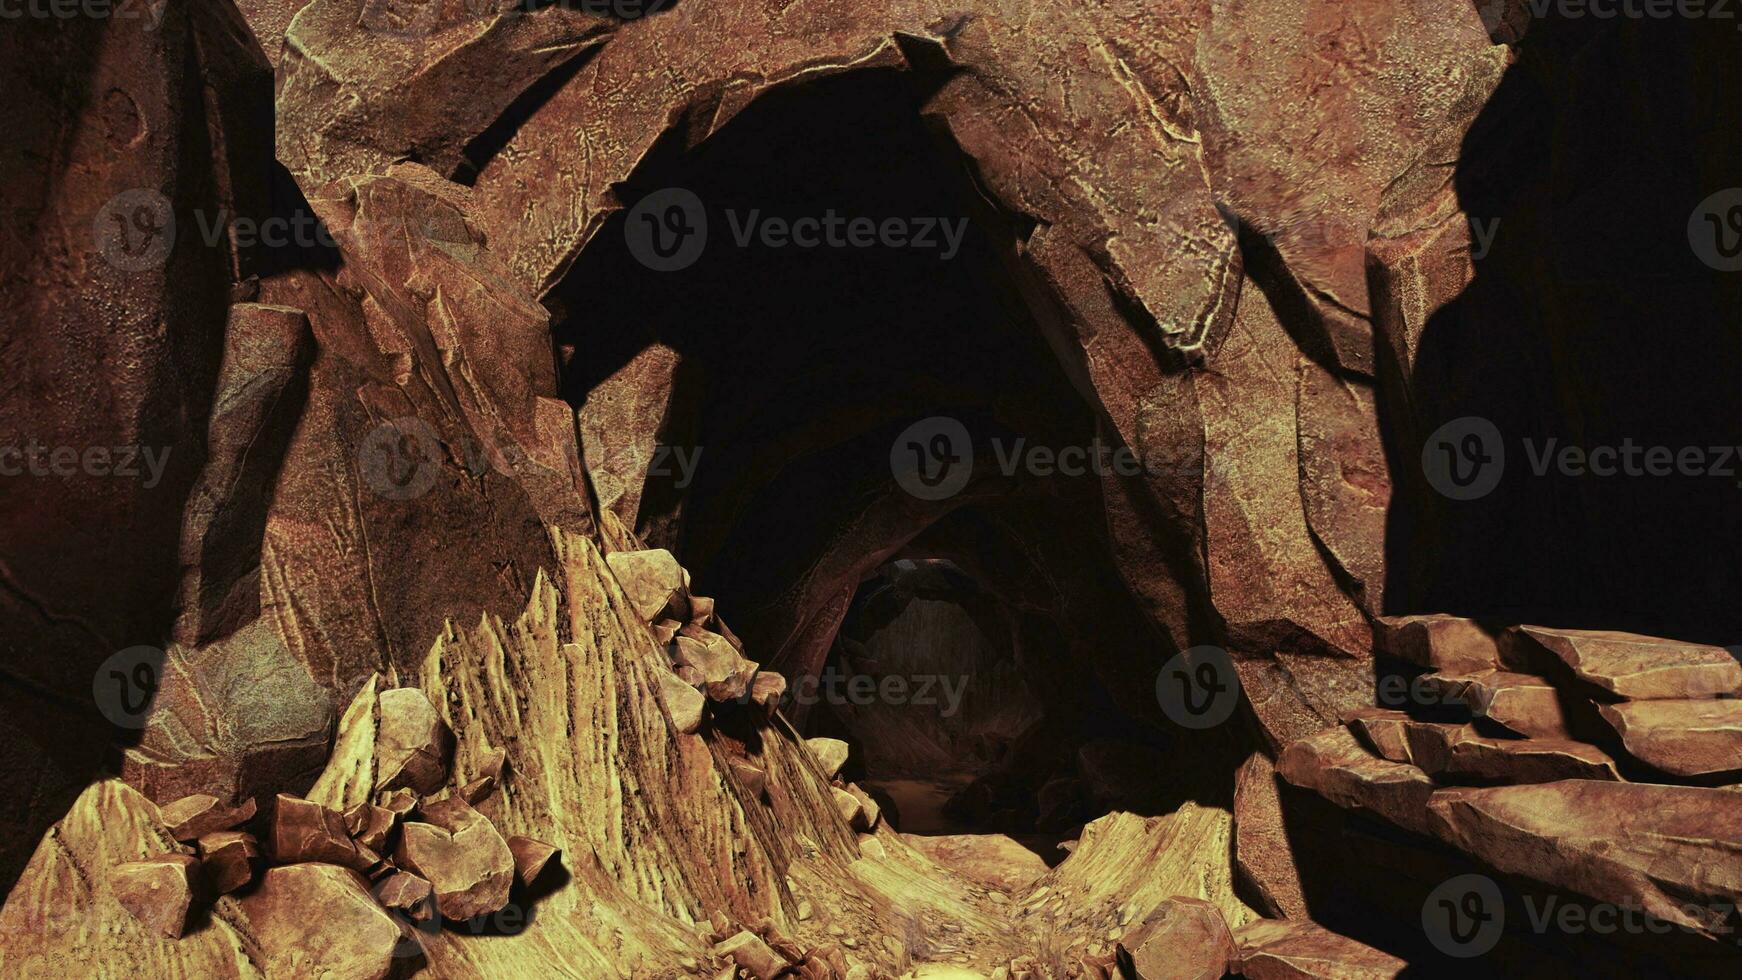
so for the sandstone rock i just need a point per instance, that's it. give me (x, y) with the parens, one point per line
(1383, 731)
(193, 817)
(1263, 855)
(1448, 644)
(1334, 765)
(651, 579)
(830, 755)
(753, 956)
(684, 702)
(1521, 703)
(767, 689)
(157, 891)
(304, 831)
(850, 807)
(320, 920)
(1297, 949)
(477, 791)
(413, 744)
(1682, 738)
(408, 893)
(461, 854)
(1667, 849)
(530, 857)
(370, 825)
(1182, 939)
(751, 776)
(726, 674)
(229, 859)
(1454, 751)
(991, 860)
(1642, 667)
(869, 812)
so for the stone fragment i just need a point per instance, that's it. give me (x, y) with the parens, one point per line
(870, 813)
(1383, 731)
(1448, 644)
(478, 790)
(991, 860)
(412, 744)
(752, 777)
(320, 920)
(401, 802)
(848, 806)
(1453, 751)
(193, 817)
(229, 859)
(829, 753)
(306, 831)
(408, 893)
(461, 854)
(753, 956)
(1334, 765)
(1299, 949)
(725, 673)
(370, 825)
(1669, 850)
(1682, 738)
(650, 579)
(1642, 667)
(1521, 703)
(1182, 939)
(530, 857)
(157, 891)
(683, 702)
(767, 689)
(1263, 856)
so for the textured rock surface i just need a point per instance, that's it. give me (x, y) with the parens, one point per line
(1287, 950)
(318, 919)
(1182, 939)
(1642, 667)
(1334, 765)
(1683, 738)
(157, 891)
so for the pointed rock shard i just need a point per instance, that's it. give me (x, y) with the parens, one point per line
(1262, 854)
(753, 956)
(412, 744)
(461, 854)
(651, 580)
(1298, 949)
(1182, 939)
(157, 891)
(408, 893)
(306, 831)
(683, 702)
(229, 859)
(349, 776)
(1448, 644)
(530, 857)
(193, 817)
(830, 753)
(1682, 738)
(1642, 668)
(1671, 850)
(320, 920)
(1334, 765)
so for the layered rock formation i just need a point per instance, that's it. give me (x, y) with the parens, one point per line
(404, 648)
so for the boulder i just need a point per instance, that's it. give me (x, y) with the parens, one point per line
(306, 831)
(1383, 731)
(407, 893)
(320, 920)
(830, 755)
(412, 743)
(684, 703)
(650, 580)
(193, 817)
(370, 825)
(1263, 857)
(1448, 644)
(1682, 738)
(461, 854)
(1182, 939)
(1642, 667)
(157, 891)
(229, 859)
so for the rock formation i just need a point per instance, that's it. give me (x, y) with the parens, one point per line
(461, 522)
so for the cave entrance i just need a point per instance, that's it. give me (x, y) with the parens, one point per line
(744, 411)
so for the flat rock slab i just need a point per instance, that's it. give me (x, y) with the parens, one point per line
(1522, 703)
(1460, 751)
(1449, 644)
(1297, 949)
(993, 860)
(193, 817)
(1334, 765)
(1675, 851)
(1642, 667)
(1682, 738)
(319, 920)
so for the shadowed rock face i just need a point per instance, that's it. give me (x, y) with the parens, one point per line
(377, 622)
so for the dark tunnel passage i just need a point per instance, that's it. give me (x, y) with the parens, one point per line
(976, 645)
